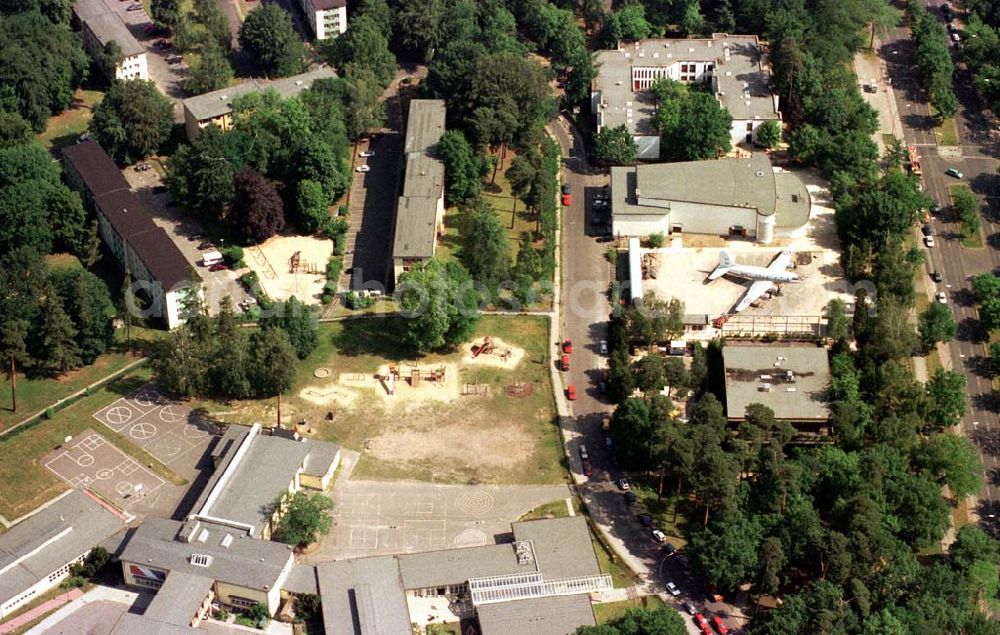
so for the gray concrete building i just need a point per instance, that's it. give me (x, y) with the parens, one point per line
(732, 64)
(742, 197)
(420, 209)
(790, 380)
(36, 553)
(101, 25)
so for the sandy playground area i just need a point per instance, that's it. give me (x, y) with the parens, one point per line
(496, 353)
(273, 262)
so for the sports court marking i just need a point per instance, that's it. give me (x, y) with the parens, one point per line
(93, 462)
(422, 505)
(363, 537)
(359, 506)
(424, 534)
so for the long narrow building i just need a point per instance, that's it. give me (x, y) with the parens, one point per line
(101, 25)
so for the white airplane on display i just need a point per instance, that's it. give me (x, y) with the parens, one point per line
(763, 278)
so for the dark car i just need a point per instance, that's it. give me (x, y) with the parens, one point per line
(669, 549)
(927, 230)
(219, 266)
(588, 470)
(605, 239)
(645, 520)
(160, 189)
(936, 276)
(205, 245)
(630, 497)
(690, 608)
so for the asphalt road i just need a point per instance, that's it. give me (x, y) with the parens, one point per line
(976, 157)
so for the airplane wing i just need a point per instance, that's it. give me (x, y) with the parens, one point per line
(756, 290)
(781, 261)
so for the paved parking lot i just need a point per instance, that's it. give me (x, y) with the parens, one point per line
(372, 215)
(186, 234)
(372, 517)
(167, 429)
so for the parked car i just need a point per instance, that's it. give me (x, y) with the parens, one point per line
(583, 453)
(941, 297)
(719, 625)
(927, 230)
(205, 246)
(219, 266)
(929, 241)
(935, 210)
(624, 484)
(672, 589)
(936, 276)
(700, 620)
(669, 549)
(602, 347)
(630, 497)
(567, 200)
(135, 6)
(367, 153)
(659, 536)
(690, 608)
(363, 168)
(564, 363)
(955, 172)
(567, 346)
(645, 520)
(588, 470)
(955, 37)
(571, 392)
(608, 443)
(567, 188)
(605, 239)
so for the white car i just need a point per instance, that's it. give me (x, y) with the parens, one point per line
(955, 37)
(672, 588)
(367, 153)
(941, 297)
(659, 536)
(363, 168)
(624, 484)
(929, 241)
(603, 346)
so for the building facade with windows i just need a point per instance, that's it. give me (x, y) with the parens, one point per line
(101, 25)
(327, 18)
(733, 65)
(420, 209)
(743, 197)
(161, 273)
(36, 554)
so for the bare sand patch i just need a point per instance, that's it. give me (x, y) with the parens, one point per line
(326, 394)
(436, 383)
(498, 353)
(273, 261)
(455, 444)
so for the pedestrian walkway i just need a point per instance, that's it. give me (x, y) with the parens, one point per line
(871, 70)
(40, 610)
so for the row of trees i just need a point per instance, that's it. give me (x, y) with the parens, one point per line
(933, 58)
(283, 159)
(981, 50)
(691, 122)
(216, 357)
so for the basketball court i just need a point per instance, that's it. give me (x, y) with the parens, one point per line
(165, 428)
(90, 461)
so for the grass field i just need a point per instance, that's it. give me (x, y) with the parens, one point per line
(495, 439)
(555, 509)
(65, 128)
(27, 483)
(621, 575)
(946, 133)
(609, 611)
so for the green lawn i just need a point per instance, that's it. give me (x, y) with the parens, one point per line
(555, 509)
(65, 128)
(974, 241)
(495, 439)
(609, 611)
(621, 575)
(946, 133)
(27, 483)
(662, 511)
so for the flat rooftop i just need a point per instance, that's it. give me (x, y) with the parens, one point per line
(740, 82)
(554, 615)
(220, 102)
(363, 595)
(648, 189)
(107, 26)
(423, 181)
(790, 380)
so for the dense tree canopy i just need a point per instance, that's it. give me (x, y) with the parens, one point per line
(268, 36)
(440, 304)
(614, 146)
(132, 121)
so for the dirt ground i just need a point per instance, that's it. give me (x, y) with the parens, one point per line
(272, 263)
(502, 355)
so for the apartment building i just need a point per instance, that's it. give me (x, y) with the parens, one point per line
(161, 272)
(420, 209)
(733, 65)
(327, 18)
(100, 25)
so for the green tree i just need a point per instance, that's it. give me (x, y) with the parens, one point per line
(365, 44)
(87, 301)
(966, 208)
(305, 518)
(132, 121)
(271, 362)
(628, 23)
(210, 15)
(614, 146)
(705, 131)
(419, 26)
(363, 107)
(945, 398)
(769, 133)
(312, 206)
(640, 621)
(632, 431)
(462, 167)
(166, 12)
(985, 286)
(268, 37)
(14, 130)
(936, 324)
(259, 212)
(654, 320)
(485, 251)
(56, 338)
(297, 321)
(837, 322)
(440, 305)
(110, 58)
(13, 348)
(989, 313)
(692, 21)
(211, 71)
(995, 357)
(953, 461)
(971, 545)
(727, 552)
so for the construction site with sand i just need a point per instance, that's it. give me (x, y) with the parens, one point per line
(481, 414)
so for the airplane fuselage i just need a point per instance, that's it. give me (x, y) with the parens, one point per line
(750, 272)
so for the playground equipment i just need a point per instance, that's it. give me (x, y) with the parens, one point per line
(297, 265)
(489, 347)
(416, 376)
(258, 255)
(519, 389)
(475, 390)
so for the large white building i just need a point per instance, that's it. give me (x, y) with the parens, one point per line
(36, 553)
(742, 197)
(327, 18)
(732, 64)
(100, 25)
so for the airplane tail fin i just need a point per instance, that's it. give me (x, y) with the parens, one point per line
(725, 264)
